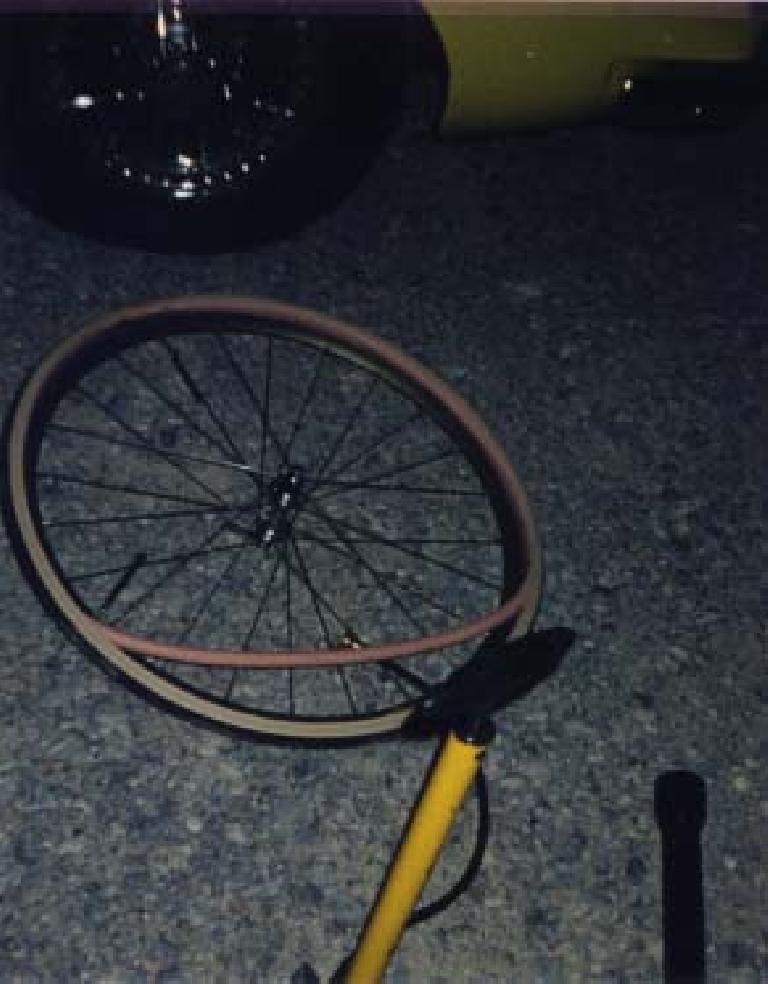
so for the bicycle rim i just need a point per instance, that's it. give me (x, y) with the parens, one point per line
(263, 517)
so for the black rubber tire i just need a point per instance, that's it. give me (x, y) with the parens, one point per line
(346, 99)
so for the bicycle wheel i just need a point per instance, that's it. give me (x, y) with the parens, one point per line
(264, 517)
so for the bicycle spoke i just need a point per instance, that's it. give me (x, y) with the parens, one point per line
(137, 517)
(385, 541)
(260, 608)
(411, 466)
(334, 548)
(430, 601)
(175, 570)
(369, 450)
(230, 689)
(122, 583)
(393, 670)
(400, 674)
(157, 561)
(322, 600)
(212, 591)
(451, 541)
(261, 408)
(313, 593)
(149, 446)
(415, 489)
(246, 642)
(197, 459)
(315, 596)
(342, 437)
(177, 408)
(198, 394)
(265, 423)
(341, 673)
(288, 626)
(109, 598)
(374, 573)
(308, 397)
(132, 490)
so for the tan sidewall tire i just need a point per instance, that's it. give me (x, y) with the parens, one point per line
(518, 611)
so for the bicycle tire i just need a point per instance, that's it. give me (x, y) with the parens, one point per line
(152, 665)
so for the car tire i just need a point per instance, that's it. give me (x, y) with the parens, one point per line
(233, 133)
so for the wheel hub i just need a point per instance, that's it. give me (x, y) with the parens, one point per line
(276, 509)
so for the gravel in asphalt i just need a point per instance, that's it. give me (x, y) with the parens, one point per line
(600, 296)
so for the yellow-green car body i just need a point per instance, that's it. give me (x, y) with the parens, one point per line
(512, 65)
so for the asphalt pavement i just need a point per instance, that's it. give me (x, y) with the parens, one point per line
(601, 296)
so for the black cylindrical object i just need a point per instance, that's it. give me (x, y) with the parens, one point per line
(681, 812)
